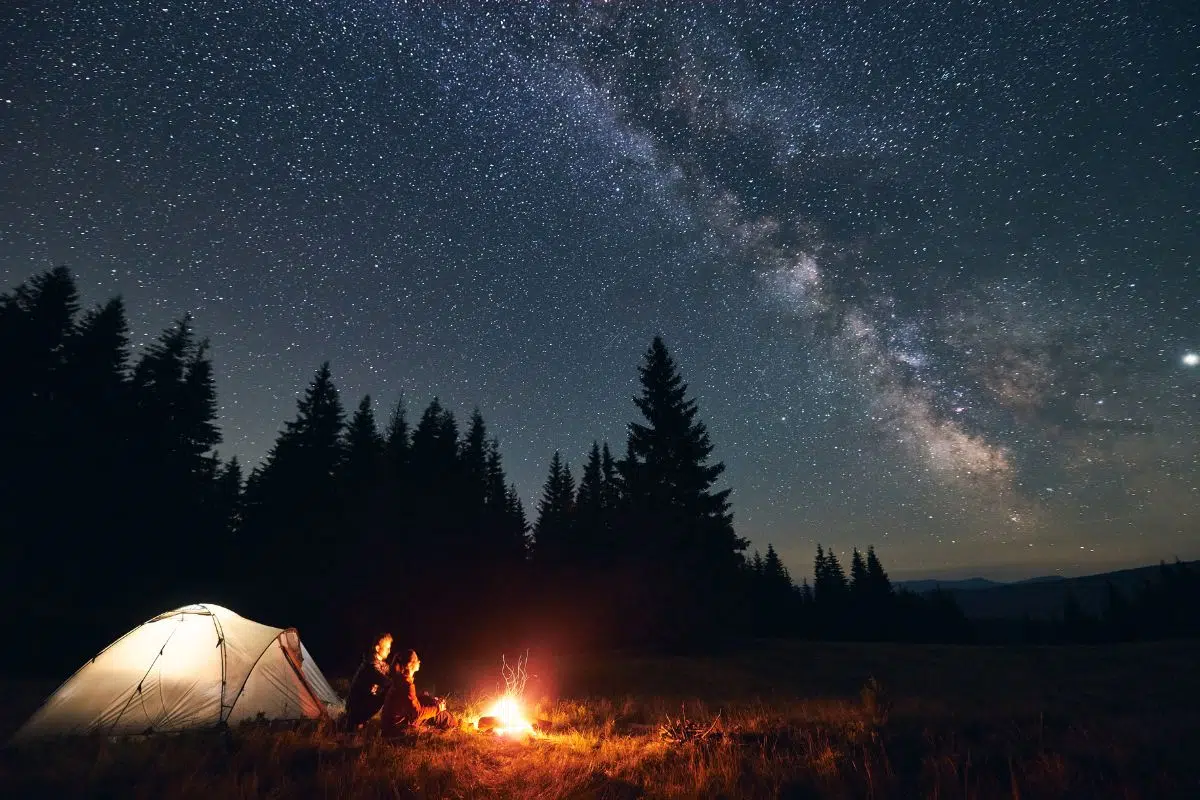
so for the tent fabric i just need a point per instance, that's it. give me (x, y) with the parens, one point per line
(194, 667)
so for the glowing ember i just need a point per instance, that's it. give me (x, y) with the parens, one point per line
(510, 719)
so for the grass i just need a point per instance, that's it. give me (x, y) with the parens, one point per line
(794, 720)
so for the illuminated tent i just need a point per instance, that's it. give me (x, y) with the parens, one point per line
(195, 667)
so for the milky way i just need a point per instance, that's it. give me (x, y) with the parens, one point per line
(929, 268)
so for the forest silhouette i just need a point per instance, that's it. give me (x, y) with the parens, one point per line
(116, 506)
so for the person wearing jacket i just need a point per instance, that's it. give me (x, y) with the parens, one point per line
(404, 709)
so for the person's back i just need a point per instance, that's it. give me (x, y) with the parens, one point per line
(370, 684)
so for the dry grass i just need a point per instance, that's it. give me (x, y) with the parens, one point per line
(785, 721)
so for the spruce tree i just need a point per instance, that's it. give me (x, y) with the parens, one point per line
(517, 522)
(229, 492)
(364, 452)
(610, 479)
(590, 511)
(858, 574)
(590, 497)
(100, 427)
(433, 452)
(98, 364)
(553, 531)
(806, 593)
(436, 515)
(684, 526)
(362, 494)
(820, 571)
(174, 394)
(37, 323)
(829, 580)
(497, 483)
(779, 594)
(396, 447)
(505, 514)
(293, 505)
(474, 456)
(877, 578)
(775, 573)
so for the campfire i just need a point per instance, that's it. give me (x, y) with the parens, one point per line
(506, 715)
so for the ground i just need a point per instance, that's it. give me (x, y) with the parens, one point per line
(782, 720)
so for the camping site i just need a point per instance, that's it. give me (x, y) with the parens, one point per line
(599, 400)
(370, 614)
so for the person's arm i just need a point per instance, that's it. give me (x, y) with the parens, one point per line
(429, 702)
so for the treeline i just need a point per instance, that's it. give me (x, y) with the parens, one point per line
(863, 605)
(117, 505)
(1157, 609)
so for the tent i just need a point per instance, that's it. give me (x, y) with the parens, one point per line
(199, 666)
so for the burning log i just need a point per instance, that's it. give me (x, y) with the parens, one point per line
(506, 716)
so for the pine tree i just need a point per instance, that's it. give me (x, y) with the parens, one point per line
(505, 512)
(775, 573)
(517, 521)
(474, 455)
(437, 514)
(294, 497)
(779, 594)
(552, 533)
(684, 527)
(433, 452)
(858, 575)
(37, 324)
(590, 497)
(497, 483)
(877, 577)
(487, 529)
(362, 491)
(590, 511)
(229, 492)
(837, 576)
(829, 581)
(610, 479)
(364, 451)
(397, 443)
(175, 398)
(820, 574)
(806, 593)
(98, 363)
(99, 427)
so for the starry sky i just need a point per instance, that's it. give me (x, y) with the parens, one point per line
(930, 268)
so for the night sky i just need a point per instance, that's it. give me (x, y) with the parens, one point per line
(930, 268)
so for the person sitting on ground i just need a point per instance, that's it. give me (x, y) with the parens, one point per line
(404, 709)
(370, 684)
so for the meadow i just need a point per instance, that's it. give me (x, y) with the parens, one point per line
(794, 720)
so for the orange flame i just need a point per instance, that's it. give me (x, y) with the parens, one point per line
(510, 716)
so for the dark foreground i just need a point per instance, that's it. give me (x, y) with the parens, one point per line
(796, 720)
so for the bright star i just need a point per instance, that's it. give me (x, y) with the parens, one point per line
(1191, 359)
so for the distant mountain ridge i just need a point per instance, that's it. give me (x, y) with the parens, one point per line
(961, 585)
(1039, 598)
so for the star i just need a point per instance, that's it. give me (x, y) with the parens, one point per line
(934, 263)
